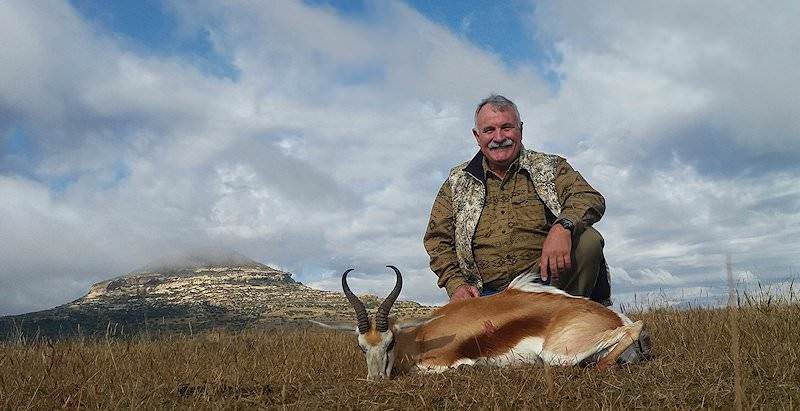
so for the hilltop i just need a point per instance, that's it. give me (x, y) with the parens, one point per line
(227, 291)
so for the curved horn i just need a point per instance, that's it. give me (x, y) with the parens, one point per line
(361, 312)
(382, 317)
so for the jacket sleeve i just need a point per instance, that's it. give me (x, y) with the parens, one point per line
(581, 203)
(440, 244)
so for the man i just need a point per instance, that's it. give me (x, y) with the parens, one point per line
(511, 210)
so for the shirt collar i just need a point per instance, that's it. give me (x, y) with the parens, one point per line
(513, 168)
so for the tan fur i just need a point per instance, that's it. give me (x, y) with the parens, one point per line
(568, 325)
(373, 337)
(631, 334)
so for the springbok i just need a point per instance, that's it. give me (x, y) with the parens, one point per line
(526, 323)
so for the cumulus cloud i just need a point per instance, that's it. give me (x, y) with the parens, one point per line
(326, 151)
(645, 277)
(682, 116)
(657, 71)
(745, 277)
(327, 148)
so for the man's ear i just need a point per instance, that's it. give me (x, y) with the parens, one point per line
(475, 133)
(337, 327)
(415, 322)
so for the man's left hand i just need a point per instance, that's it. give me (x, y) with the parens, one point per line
(556, 253)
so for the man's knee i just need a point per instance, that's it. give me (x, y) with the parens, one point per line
(589, 246)
(588, 268)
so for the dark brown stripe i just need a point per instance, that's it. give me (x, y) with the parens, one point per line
(503, 339)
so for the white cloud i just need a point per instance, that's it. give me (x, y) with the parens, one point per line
(668, 111)
(744, 277)
(326, 151)
(650, 69)
(328, 148)
(644, 277)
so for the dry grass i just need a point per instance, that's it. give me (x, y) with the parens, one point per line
(304, 369)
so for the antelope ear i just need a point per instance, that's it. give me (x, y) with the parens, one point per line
(337, 327)
(415, 323)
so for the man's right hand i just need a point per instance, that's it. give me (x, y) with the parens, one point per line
(465, 292)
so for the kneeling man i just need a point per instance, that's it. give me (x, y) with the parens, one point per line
(510, 210)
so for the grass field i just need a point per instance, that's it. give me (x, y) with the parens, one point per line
(696, 364)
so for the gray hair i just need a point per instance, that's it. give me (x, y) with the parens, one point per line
(497, 102)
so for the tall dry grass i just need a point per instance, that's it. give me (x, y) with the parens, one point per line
(310, 369)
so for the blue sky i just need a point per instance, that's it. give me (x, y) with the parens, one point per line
(153, 26)
(496, 27)
(313, 135)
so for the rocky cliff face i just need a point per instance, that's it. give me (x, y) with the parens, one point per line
(191, 299)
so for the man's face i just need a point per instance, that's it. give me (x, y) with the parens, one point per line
(499, 135)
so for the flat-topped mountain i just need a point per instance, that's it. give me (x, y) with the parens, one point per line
(199, 294)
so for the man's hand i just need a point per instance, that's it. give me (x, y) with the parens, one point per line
(556, 253)
(465, 292)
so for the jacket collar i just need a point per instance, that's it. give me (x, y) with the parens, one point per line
(475, 167)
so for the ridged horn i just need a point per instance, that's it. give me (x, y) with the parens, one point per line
(382, 317)
(361, 312)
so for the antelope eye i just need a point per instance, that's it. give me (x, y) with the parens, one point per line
(390, 346)
(362, 349)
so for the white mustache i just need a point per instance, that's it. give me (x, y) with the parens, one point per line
(505, 143)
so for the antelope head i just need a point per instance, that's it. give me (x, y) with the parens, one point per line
(376, 339)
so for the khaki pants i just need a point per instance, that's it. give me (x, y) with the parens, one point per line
(589, 274)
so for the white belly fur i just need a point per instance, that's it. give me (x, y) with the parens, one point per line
(527, 351)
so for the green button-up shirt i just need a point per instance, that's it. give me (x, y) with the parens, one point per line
(511, 229)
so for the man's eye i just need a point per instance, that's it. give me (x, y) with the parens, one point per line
(506, 128)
